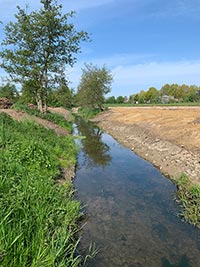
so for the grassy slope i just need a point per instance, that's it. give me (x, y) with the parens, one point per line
(38, 215)
(189, 198)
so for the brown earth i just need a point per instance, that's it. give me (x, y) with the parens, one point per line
(168, 137)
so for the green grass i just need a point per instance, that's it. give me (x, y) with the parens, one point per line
(55, 118)
(152, 105)
(88, 113)
(189, 198)
(38, 215)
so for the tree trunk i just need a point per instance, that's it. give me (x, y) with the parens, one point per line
(39, 102)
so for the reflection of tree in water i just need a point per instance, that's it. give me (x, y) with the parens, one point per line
(93, 147)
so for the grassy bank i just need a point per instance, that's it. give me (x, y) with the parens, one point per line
(189, 199)
(38, 215)
(88, 113)
(53, 117)
(189, 104)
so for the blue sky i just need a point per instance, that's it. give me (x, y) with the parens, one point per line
(143, 42)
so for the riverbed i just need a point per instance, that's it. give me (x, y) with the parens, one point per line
(131, 213)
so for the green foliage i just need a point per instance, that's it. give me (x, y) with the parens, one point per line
(88, 113)
(9, 91)
(38, 215)
(189, 197)
(95, 83)
(111, 100)
(56, 118)
(152, 95)
(38, 46)
(168, 94)
(120, 100)
(62, 97)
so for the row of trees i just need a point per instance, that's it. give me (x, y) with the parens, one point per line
(169, 93)
(37, 48)
(94, 84)
(35, 52)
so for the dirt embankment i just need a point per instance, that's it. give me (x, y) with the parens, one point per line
(168, 137)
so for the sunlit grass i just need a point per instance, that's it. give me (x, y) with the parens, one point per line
(38, 215)
(53, 117)
(189, 198)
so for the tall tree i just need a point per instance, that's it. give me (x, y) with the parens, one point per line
(152, 95)
(38, 46)
(63, 96)
(94, 84)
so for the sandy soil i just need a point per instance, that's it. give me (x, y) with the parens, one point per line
(168, 137)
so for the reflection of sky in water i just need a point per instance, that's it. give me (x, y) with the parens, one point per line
(132, 216)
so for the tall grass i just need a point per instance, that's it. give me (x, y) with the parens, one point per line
(38, 215)
(53, 117)
(189, 199)
(88, 113)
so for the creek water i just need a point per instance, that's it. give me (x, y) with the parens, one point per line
(132, 216)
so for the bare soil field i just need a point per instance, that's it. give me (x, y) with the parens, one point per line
(168, 137)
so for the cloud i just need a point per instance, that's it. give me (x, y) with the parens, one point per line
(131, 78)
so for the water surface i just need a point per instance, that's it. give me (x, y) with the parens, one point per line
(131, 213)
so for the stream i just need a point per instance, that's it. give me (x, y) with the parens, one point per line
(132, 216)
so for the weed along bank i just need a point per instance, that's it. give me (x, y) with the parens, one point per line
(38, 214)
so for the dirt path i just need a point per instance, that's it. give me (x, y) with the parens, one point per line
(168, 137)
(20, 115)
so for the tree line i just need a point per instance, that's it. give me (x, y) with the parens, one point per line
(94, 84)
(169, 93)
(37, 48)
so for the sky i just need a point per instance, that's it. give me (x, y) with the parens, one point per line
(143, 43)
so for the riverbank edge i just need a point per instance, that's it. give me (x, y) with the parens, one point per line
(170, 159)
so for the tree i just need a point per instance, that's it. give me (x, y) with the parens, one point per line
(141, 97)
(152, 95)
(63, 96)
(9, 91)
(94, 84)
(38, 46)
(120, 99)
(111, 100)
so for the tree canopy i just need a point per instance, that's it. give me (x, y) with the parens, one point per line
(38, 46)
(9, 91)
(94, 84)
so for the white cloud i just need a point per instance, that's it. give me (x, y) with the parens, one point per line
(131, 78)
